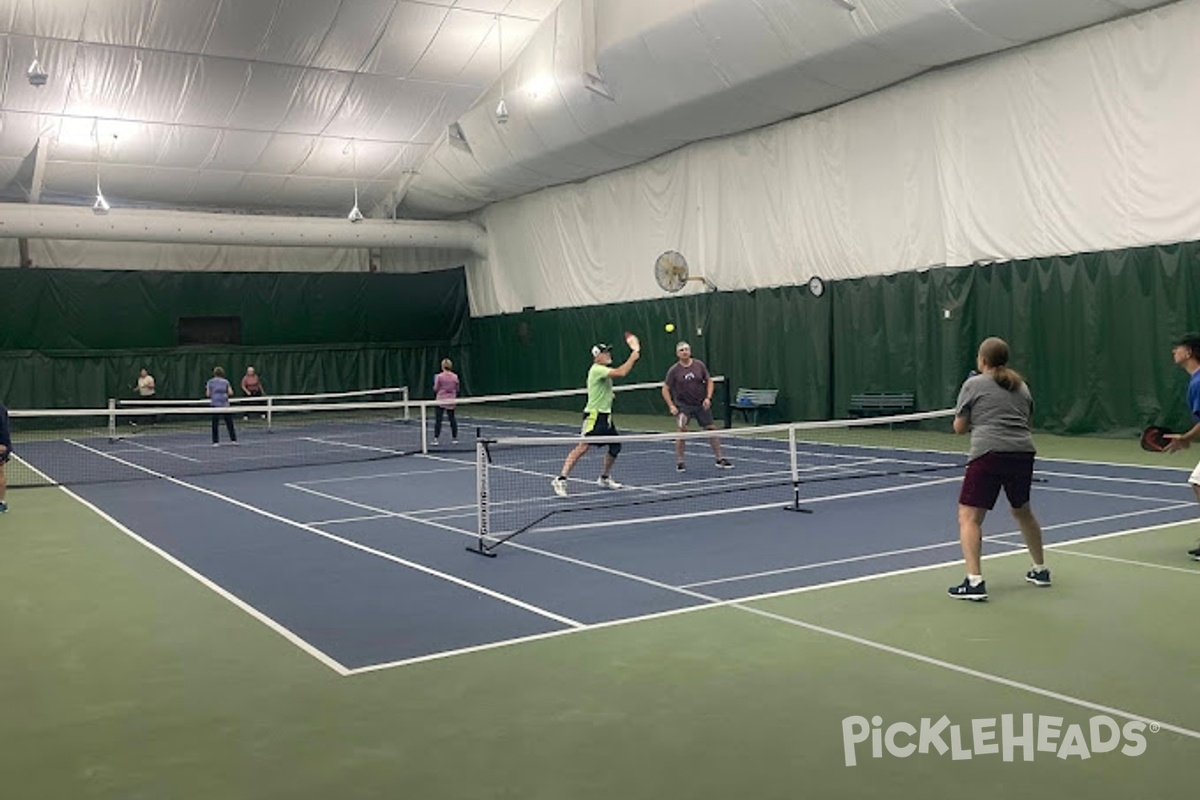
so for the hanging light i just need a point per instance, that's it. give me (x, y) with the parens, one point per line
(36, 75)
(355, 215)
(101, 205)
(502, 107)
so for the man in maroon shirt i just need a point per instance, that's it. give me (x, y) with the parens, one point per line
(688, 390)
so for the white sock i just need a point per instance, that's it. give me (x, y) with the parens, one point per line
(974, 580)
(1039, 567)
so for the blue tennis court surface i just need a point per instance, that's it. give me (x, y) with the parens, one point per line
(364, 564)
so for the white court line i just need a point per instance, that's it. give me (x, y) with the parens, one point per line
(163, 451)
(1110, 478)
(992, 537)
(347, 542)
(345, 520)
(1132, 562)
(378, 475)
(1107, 494)
(220, 591)
(352, 446)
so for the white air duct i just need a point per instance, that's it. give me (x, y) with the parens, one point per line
(23, 221)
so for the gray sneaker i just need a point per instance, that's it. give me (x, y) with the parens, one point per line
(560, 486)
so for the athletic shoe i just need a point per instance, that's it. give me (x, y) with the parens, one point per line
(680, 467)
(435, 442)
(965, 591)
(3, 507)
(1038, 577)
(1195, 554)
(560, 486)
(605, 482)
(454, 441)
(723, 463)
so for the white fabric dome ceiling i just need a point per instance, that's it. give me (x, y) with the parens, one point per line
(281, 106)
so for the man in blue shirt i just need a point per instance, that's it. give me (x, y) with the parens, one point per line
(5, 452)
(1186, 353)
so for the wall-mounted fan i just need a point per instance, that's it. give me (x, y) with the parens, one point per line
(671, 272)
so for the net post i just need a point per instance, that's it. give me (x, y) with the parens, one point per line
(424, 428)
(112, 419)
(270, 414)
(728, 413)
(481, 491)
(794, 458)
(404, 399)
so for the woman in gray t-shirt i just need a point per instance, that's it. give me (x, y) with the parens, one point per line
(996, 408)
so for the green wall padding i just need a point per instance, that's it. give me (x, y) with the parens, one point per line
(82, 309)
(1091, 332)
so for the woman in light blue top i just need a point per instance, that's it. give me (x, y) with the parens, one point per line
(217, 390)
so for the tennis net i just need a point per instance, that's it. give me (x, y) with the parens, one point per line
(768, 466)
(139, 441)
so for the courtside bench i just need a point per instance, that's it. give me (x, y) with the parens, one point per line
(881, 404)
(750, 401)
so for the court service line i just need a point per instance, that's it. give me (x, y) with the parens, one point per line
(1108, 494)
(347, 542)
(377, 475)
(992, 537)
(1111, 478)
(161, 450)
(1130, 561)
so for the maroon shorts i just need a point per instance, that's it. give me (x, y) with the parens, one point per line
(990, 472)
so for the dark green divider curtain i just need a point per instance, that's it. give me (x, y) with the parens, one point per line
(62, 309)
(1091, 332)
(74, 338)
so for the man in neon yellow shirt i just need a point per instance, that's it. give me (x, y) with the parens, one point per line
(597, 416)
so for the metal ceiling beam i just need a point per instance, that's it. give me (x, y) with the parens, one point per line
(181, 227)
(39, 168)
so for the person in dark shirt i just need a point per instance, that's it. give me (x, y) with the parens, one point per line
(688, 390)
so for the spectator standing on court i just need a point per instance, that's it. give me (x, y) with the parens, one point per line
(597, 416)
(217, 390)
(1186, 354)
(996, 408)
(145, 385)
(688, 390)
(145, 391)
(5, 454)
(252, 386)
(445, 389)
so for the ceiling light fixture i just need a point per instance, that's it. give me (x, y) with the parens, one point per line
(101, 205)
(502, 107)
(355, 215)
(36, 75)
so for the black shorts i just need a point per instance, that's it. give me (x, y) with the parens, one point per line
(702, 415)
(599, 423)
(990, 472)
(4, 456)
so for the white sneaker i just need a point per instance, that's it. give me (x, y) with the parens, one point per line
(605, 482)
(454, 441)
(560, 486)
(435, 441)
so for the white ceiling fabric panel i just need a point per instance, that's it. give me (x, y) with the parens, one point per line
(181, 27)
(353, 33)
(270, 91)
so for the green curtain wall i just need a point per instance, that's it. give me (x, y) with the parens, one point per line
(1091, 332)
(63, 309)
(74, 338)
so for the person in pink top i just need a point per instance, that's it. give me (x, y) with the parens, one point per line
(445, 389)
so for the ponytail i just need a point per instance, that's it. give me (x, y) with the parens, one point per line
(994, 353)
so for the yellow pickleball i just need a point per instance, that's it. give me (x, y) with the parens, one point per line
(670, 326)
